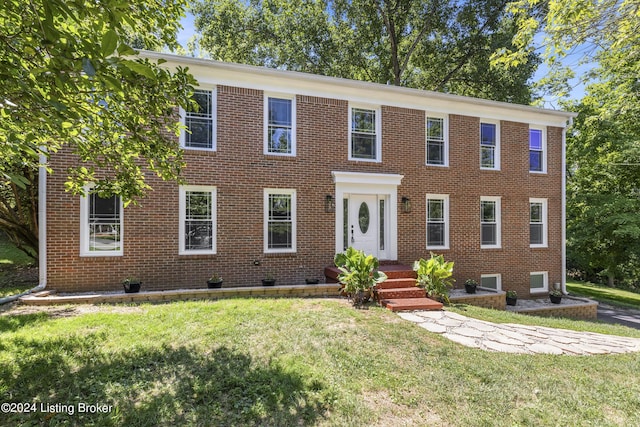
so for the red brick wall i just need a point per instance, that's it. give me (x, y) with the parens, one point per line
(240, 171)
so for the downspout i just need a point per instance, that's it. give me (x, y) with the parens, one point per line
(564, 206)
(42, 234)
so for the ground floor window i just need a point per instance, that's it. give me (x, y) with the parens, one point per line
(197, 220)
(491, 281)
(437, 221)
(279, 220)
(539, 282)
(101, 229)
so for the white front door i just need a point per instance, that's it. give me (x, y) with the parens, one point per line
(364, 224)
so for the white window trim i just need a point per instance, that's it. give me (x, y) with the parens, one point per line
(498, 277)
(545, 227)
(182, 205)
(84, 229)
(545, 288)
(445, 131)
(292, 98)
(445, 198)
(496, 159)
(497, 200)
(543, 130)
(292, 193)
(378, 111)
(214, 130)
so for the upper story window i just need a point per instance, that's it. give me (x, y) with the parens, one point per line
(538, 223)
(490, 222)
(100, 225)
(279, 220)
(200, 122)
(537, 150)
(197, 226)
(437, 147)
(489, 146)
(280, 125)
(437, 221)
(364, 134)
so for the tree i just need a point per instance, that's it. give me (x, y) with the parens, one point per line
(441, 45)
(69, 80)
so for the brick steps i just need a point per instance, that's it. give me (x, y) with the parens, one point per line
(401, 293)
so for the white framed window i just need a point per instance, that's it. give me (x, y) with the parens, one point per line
(539, 282)
(489, 145)
(537, 149)
(491, 281)
(280, 125)
(437, 144)
(101, 225)
(198, 220)
(365, 133)
(437, 221)
(279, 220)
(200, 123)
(490, 222)
(538, 223)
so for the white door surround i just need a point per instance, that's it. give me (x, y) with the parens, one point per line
(371, 188)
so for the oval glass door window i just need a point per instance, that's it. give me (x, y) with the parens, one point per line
(364, 217)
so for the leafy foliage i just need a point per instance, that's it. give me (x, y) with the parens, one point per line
(434, 275)
(429, 44)
(358, 274)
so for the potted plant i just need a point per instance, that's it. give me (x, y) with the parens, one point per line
(434, 275)
(512, 297)
(555, 296)
(311, 281)
(131, 285)
(358, 275)
(215, 281)
(470, 286)
(268, 280)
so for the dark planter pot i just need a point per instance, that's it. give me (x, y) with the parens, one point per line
(214, 284)
(311, 281)
(512, 301)
(131, 288)
(471, 289)
(554, 299)
(268, 282)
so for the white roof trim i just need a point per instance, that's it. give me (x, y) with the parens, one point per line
(366, 178)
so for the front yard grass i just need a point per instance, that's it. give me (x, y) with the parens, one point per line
(17, 271)
(605, 294)
(285, 362)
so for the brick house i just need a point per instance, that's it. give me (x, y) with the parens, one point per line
(285, 169)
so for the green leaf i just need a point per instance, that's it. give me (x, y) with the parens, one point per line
(109, 42)
(87, 67)
(139, 68)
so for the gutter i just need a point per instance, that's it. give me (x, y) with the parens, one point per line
(42, 234)
(564, 207)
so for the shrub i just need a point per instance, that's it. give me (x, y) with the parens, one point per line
(434, 275)
(358, 274)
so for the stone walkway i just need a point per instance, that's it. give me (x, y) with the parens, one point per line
(512, 338)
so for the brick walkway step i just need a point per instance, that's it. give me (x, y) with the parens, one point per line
(401, 293)
(412, 304)
(397, 283)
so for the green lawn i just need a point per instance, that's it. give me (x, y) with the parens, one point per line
(10, 256)
(605, 294)
(288, 362)
(16, 269)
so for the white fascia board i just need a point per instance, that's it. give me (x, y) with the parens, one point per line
(370, 179)
(211, 72)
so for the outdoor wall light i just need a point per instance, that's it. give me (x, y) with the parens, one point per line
(406, 204)
(329, 204)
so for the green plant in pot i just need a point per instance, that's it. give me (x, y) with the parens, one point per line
(555, 296)
(470, 286)
(434, 275)
(131, 285)
(215, 281)
(358, 275)
(512, 297)
(268, 280)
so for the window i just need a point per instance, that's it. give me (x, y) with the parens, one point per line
(200, 122)
(539, 282)
(280, 119)
(101, 225)
(490, 222)
(437, 221)
(280, 220)
(489, 146)
(197, 220)
(491, 281)
(437, 148)
(537, 149)
(538, 223)
(364, 135)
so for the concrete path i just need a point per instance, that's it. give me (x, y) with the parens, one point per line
(622, 316)
(512, 338)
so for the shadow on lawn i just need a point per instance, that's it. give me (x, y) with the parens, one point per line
(154, 386)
